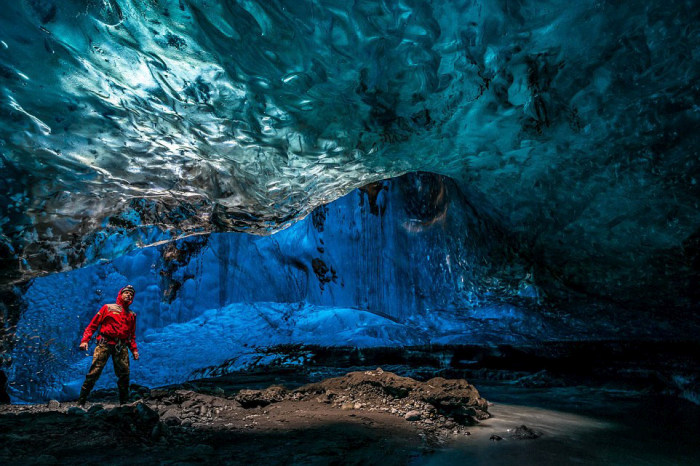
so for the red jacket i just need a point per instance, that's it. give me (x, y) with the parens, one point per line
(116, 322)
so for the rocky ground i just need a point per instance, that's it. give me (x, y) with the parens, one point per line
(368, 417)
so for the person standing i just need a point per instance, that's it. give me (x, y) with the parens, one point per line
(117, 325)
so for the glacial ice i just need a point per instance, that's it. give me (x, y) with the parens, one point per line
(565, 134)
(380, 267)
(574, 123)
(361, 271)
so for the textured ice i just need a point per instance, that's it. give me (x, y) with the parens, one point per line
(172, 354)
(232, 338)
(404, 263)
(366, 270)
(574, 123)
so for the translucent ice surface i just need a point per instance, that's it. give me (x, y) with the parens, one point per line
(575, 123)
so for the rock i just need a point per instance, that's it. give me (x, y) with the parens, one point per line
(184, 395)
(158, 394)
(347, 406)
(358, 405)
(159, 431)
(145, 414)
(260, 398)
(218, 402)
(202, 449)
(139, 389)
(218, 391)
(46, 459)
(524, 433)
(53, 404)
(456, 399)
(95, 409)
(413, 416)
(136, 418)
(76, 411)
(189, 403)
(170, 418)
(496, 438)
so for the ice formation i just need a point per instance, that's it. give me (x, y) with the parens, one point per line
(575, 123)
(568, 129)
(376, 268)
(404, 263)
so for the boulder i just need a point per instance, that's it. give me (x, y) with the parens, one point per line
(260, 398)
(413, 416)
(76, 411)
(523, 432)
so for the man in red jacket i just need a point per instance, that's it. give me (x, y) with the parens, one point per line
(117, 324)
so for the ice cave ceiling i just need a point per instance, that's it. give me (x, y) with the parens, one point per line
(571, 125)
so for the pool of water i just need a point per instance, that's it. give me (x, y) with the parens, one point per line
(579, 425)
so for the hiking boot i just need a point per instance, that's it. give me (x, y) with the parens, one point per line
(82, 399)
(123, 397)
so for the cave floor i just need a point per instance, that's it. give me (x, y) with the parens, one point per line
(286, 433)
(200, 422)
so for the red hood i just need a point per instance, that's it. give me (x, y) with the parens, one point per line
(121, 302)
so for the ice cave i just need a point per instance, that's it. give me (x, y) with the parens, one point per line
(418, 232)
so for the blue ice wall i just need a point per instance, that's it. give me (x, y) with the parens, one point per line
(401, 262)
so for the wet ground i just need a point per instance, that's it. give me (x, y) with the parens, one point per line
(578, 425)
(365, 417)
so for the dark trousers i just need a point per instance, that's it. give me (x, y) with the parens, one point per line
(120, 361)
